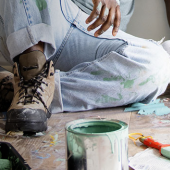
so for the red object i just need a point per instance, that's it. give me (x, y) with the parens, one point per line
(151, 143)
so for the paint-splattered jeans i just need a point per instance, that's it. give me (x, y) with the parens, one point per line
(90, 72)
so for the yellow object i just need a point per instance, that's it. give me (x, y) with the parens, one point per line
(140, 136)
(54, 139)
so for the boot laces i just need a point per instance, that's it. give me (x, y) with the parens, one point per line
(7, 87)
(35, 84)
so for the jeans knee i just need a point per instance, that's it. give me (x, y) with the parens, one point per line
(159, 67)
(159, 59)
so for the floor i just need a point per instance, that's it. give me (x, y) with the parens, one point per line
(47, 152)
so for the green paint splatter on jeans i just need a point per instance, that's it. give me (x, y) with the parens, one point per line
(108, 99)
(151, 78)
(128, 83)
(113, 78)
(96, 73)
(41, 4)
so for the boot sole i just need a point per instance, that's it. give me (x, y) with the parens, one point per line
(27, 120)
(26, 126)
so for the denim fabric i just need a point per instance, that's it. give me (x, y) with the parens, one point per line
(90, 72)
(84, 48)
(131, 73)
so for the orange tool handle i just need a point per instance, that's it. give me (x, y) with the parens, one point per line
(151, 143)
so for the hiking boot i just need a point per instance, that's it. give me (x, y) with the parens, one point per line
(6, 90)
(33, 93)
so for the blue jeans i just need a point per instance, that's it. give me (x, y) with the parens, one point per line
(90, 72)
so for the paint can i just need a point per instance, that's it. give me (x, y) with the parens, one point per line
(97, 144)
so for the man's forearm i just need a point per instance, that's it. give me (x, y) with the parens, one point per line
(167, 3)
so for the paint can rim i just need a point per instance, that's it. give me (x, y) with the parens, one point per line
(71, 125)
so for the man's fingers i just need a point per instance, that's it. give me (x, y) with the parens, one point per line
(100, 20)
(116, 21)
(96, 12)
(107, 23)
(107, 16)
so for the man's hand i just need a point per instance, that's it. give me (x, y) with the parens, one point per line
(107, 13)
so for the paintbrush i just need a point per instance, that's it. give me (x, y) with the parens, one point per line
(164, 149)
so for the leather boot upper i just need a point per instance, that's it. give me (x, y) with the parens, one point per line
(6, 90)
(34, 82)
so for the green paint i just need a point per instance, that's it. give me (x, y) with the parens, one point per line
(108, 99)
(96, 73)
(113, 78)
(151, 78)
(41, 4)
(5, 164)
(94, 146)
(128, 83)
(112, 137)
(17, 160)
(166, 151)
(96, 127)
(157, 107)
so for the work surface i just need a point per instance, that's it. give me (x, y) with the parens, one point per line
(47, 152)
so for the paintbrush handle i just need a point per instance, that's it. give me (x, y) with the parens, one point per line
(151, 143)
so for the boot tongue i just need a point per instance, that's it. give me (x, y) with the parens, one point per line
(31, 64)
